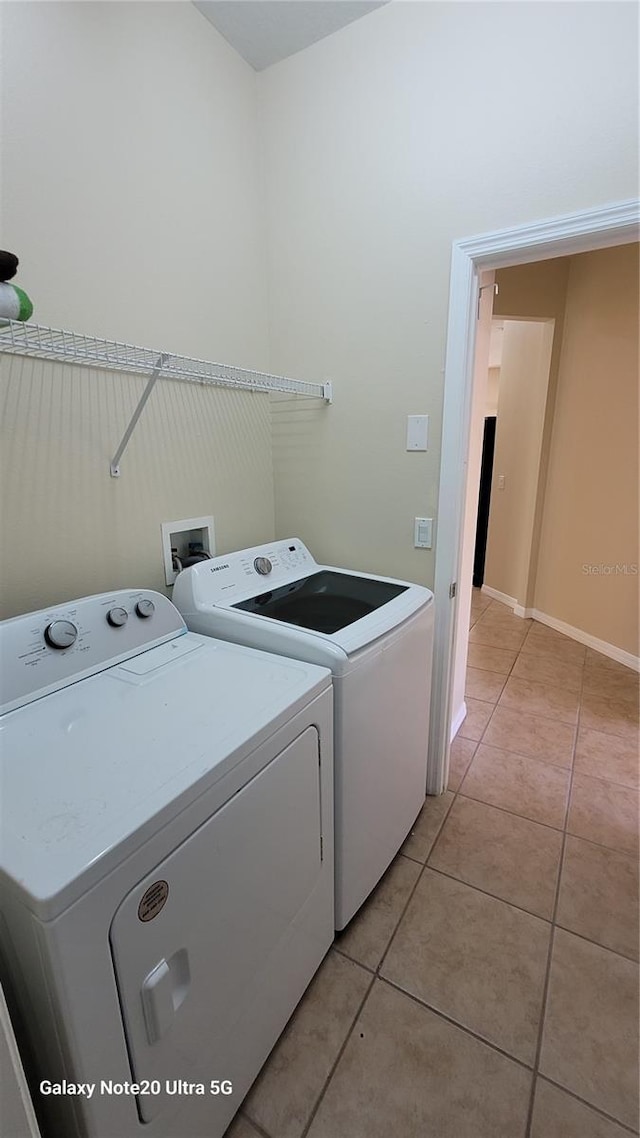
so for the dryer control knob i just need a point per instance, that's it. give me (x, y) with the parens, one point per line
(262, 565)
(117, 617)
(60, 634)
(145, 608)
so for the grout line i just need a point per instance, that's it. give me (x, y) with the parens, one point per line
(546, 825)
(620, 785)
(491, 671)
(565, 834)
(455, 1023)
(479, 699)
(375, 975)
(529, 758)
(547, 979)
(596, 1109)
(255, 1125)
(352, 959)
(527, 912)
(334, 1065)
(486, 893)
(597, 943)
(416, 860)
(513, 814)
(410, 897)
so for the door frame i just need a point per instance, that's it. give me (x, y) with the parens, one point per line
(613, 224)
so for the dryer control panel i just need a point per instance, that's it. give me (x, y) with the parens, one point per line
(246, 573)
(49, 649)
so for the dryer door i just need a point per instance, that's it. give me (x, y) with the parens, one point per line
(193, 942)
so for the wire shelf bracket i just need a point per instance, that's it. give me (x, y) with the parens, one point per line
(40, 342)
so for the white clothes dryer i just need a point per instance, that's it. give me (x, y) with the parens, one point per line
(376, 635)
(166, 862)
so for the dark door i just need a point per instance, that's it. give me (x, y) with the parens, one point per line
(484, 500)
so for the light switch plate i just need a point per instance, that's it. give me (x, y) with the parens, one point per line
(417, 432)
(423, 533)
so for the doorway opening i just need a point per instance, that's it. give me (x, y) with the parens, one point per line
(474, 262)
(515, 413)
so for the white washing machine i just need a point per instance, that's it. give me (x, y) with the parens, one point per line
(166, 862)
(376, 635)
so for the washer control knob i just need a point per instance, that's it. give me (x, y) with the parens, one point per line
(60, 634)
(117, 617)
(145, 608)
(262, 565)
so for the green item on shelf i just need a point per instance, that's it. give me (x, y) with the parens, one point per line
(14, 302)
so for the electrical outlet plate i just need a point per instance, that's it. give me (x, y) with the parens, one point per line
(177, 535)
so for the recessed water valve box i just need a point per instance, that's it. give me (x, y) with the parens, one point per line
(180, 539)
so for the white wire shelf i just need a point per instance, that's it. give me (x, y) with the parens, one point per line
(91, 351)
(40, 342)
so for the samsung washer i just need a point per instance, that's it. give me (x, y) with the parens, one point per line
(166, 862)
(376, 636)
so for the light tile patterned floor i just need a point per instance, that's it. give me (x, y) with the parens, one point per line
(489, 986)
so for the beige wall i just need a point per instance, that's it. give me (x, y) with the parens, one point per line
(591, 503)
(68, 528)
(380, 150)
(534, 290)
(132, 195)
(493, 389)
(537, 290)
(522, 401)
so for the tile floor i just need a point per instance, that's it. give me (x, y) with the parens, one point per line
(489, 987)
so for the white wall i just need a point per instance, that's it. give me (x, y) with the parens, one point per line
(493, 390)
(132, 195)
(522, 403)
(381, 147)
(472, 494)
(131, 187)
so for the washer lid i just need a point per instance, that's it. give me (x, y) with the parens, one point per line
(337, 612)
(90, 772)
(328, 601)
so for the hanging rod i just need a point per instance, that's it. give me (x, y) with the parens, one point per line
(36, 340)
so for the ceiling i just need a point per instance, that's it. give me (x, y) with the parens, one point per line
(266, 31)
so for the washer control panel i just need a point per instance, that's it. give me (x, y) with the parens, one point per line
(278, 562)
(249, 572)
(48, 649)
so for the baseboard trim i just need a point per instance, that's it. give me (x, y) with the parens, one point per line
(606, 649)
(601, 646)
(496, 595)
(518, 610)
(458, 720)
